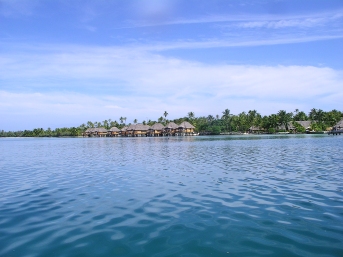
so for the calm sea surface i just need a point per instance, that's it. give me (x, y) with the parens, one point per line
(186, 196)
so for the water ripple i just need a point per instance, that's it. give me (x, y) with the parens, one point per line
(182, 196)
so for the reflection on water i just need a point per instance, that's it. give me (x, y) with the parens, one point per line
(187, 196)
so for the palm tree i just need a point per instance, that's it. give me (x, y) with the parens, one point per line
(124, 118)
(243, 121)
(320, 115)
(210, 119)
(121, 119)
(90, 124)
(135, 121)
(252, 116)
(191, 115)
(320, 118)
(165, 114)
(227, 118)
(273, 121)
(106, 124)
(284, 118)
(313, 113)
(300, 115)
(114, 123)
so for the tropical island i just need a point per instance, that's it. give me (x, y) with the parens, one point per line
(316, 121)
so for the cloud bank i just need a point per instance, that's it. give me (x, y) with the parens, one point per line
(77, 84)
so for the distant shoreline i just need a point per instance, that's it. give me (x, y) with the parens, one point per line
(251, 122)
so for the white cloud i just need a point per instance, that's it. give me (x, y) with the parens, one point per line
(299, 22)
(101, 83)
(282, 23)
(247, 21)
(242, 30)
(245, 41)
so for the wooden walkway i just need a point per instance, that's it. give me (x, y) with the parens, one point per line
(336, 132)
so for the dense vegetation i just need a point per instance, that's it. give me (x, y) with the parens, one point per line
(226, 122)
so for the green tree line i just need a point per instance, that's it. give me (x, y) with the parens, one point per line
(223, 123)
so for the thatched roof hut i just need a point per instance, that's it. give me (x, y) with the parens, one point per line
(339, 125)
(304, 123)
(171, 125)
(141, 127)
(130, 127)
(157, 126)
(186, 125)
(156, 130)
(114, 129)
(137, 129)
(100, 130)
(96, 130)
(89, 130)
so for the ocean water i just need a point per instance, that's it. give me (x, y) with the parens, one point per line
(182, 196)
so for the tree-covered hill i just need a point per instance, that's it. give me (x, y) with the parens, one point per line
(211, 124)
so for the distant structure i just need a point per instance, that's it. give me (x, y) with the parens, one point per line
(141, 130)
(97, 132)
(337, 129)
(306, 124)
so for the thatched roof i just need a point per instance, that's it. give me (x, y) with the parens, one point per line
(186, 125)
(305, 123)
(101, 130)
(283, 127)
(131, 127)
(171, 125)
(114, 129)
(138, 126)
(94, 130)
(142, 127)
(123, 129)
(339, 124)
(157, 126)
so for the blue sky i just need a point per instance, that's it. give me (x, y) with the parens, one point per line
(65, 62)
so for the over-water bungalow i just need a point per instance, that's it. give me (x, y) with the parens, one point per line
(129, 130)
(95, 132)
(114, 132)
(171, 129)
(156, 130)
(338, 126)
(137, 130)
(123, 131)
(100, 132)
(185, 128)
(141, 130)
(88, 132)
(337, 129)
